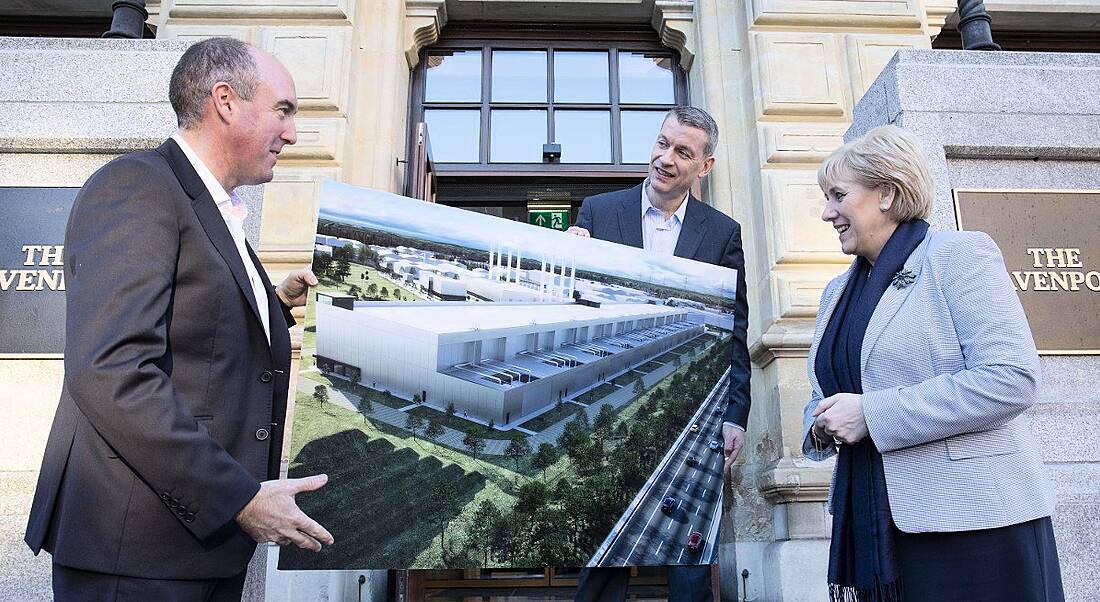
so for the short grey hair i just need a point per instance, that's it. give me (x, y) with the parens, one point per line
(699, 119)
(885, 156)
(204, 64)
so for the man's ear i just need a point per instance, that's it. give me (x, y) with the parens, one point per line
(708, 164)
(225, 101)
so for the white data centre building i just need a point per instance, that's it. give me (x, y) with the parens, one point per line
(494, 361)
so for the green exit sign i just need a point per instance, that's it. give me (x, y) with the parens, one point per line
(557, 219)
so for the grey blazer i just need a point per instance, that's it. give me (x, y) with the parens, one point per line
(948, 367)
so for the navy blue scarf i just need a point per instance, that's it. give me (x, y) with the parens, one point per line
(863, 565)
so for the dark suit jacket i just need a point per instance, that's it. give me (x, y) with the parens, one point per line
(169, 377)
(706, 235)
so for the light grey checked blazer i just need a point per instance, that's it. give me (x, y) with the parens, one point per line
(948, 367)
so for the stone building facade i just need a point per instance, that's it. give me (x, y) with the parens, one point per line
(781, 77)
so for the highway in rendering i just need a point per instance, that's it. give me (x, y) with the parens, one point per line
(651, 535)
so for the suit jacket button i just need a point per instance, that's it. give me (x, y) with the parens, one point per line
(265, 376)
(262, 434)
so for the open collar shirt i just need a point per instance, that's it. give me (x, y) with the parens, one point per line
(659, 234)
(234, 211)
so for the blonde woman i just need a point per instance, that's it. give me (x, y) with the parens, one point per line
(921, 367)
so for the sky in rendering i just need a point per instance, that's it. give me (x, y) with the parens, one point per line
(418, 219)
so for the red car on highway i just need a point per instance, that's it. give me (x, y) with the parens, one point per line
(694, 540)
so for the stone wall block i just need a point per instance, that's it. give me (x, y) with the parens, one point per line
(798, 292)
(799, 74)
(319, 139)
(291, 202)
(836, 13)
(792, 205)
(317, 59)
(253, 9)
(868, 55)
(806, 143)
(194, 33)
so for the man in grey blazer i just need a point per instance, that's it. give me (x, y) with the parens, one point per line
(157, 480)
(661, 215)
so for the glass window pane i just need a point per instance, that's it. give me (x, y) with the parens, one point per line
(454, 77)
(585, 136)
(517, 136)
(645, 79)
(640, 130)
(455, 135)
(519, 76)
(580, 77)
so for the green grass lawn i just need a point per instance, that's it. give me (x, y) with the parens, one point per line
(648, 367)
(551, 417)
(458, 423)
(378, 503)
(627, 379)
(354, 390)
(597, 393)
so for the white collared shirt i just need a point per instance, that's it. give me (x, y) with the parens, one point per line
(234, 212)
(659, 234)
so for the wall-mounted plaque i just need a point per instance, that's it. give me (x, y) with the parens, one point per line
(32, 280)
(1051, 248)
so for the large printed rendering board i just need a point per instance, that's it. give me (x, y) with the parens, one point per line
(487, 393)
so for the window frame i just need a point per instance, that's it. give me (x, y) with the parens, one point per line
(488, 39)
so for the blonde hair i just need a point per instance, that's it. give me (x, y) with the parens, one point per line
(885, 156)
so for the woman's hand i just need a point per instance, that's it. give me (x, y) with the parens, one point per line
(841, 417)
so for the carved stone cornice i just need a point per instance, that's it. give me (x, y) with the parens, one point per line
(937, 12)
(784, 338)
(796, 480)
(674, 21)
(424, 20)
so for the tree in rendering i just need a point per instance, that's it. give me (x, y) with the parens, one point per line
(474, 443)
(341, 269)
(372, 289)
(581, 417)
(413, 423)
(639, 386)
(445, 503)
(531, 497)
(481, 528)
(605, 421)
(451, 408)
(544, 458)
(320, 394)
(518, 448)
(433, 430)
(321, 264)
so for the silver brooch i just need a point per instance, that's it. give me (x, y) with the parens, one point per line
(903, 279)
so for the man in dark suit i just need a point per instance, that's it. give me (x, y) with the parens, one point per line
(661, 215)
(158, 477)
